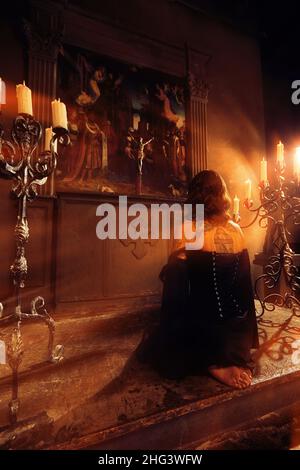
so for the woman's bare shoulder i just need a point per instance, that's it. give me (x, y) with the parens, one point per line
(186, 232)
(234, 227)
(237, 233)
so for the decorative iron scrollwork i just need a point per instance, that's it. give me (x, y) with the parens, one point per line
(279, 208)
(15, 353)
(19, 162)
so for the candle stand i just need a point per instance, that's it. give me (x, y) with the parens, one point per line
(278, 211)
(18, 161)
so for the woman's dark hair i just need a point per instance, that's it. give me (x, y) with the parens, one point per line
(209, 188)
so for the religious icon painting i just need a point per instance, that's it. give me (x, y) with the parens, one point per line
(126, 124)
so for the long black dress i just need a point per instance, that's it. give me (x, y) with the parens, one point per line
(207, 315)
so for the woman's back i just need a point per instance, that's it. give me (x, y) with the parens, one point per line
(223, 238)
(220, 236)
(216, 272)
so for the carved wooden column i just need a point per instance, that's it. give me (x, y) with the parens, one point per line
(44, 32)
(197, 97)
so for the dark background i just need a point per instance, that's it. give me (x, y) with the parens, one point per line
(276, 25)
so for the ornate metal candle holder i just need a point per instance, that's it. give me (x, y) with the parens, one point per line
(279, 209)
(19, 162)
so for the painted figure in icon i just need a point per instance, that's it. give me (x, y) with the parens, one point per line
(91, 149)
(174, 152)
(137, 149)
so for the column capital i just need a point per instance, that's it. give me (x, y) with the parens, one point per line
(42, 44)
(44, 29)
(198, 88)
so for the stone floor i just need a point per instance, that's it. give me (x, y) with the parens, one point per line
(100, 393)
(279, 429)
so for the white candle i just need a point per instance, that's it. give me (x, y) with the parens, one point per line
(236, 206)
(263, 171)
(280, 154)
(2, 92)
(297, 164)
(248, 184)
(48, 137)
(24, 99)
(59, 114)
(136, 120)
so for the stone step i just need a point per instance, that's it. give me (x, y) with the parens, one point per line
(252, 418)
(100, 397)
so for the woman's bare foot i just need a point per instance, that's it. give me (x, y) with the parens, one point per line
(235, 377)
(227, 375)
(245, 377)
(248, 372)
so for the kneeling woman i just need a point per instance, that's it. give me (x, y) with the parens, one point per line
(207, 321)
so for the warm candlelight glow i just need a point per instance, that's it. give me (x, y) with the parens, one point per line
(280, 154)
(236, 206)
(263, 171)
(24, 99)
(248, 188)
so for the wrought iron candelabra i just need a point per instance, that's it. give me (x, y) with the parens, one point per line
(279, 209)
(19, 162)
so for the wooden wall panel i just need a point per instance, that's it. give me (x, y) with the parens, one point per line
(89, 269)
(130, 276)
(39, 251)
(39, 245)
(8, 214)
(80, 254)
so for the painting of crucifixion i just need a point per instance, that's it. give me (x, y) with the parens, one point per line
(113, 107)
